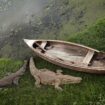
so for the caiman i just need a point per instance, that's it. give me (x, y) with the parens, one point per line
(47, 77)
(13, 78)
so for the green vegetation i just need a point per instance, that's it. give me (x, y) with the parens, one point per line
(8, 66)
(94, 36)
(83, 14)
(89, 92)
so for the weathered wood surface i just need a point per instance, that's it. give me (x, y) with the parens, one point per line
(88, 57)
(43, 44)
(70, 55)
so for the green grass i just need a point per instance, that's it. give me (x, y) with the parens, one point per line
(91, 91)
(8, 66)
(94, 36)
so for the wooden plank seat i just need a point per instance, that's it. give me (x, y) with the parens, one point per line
(43, 44)
(88, 57)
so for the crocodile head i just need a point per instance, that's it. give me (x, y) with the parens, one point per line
(67, 79)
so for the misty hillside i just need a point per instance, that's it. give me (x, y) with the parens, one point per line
(71, 16)
(54, 19)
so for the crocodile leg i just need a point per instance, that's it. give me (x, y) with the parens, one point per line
(37, 83)
(59, 72)
(57, 83)
(15, 81)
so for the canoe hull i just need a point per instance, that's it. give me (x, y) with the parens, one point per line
(79, 67)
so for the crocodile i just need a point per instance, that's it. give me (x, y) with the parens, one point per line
(48, 77)
(13, 78)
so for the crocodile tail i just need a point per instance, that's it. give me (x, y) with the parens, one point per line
(22, 69)
(32, 67)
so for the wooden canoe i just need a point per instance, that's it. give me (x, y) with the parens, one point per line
(69, 55)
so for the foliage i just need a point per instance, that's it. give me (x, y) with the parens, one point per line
(94, 36)
(83, 13)
(8, 66)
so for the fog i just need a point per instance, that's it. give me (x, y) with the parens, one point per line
(19, 12)
(21, 19)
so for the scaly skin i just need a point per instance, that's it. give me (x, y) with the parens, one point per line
(13, 78)
(47, 77)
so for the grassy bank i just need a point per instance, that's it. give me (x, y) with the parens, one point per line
(94, 36)
(91, 91)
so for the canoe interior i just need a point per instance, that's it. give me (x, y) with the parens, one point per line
(70, 53)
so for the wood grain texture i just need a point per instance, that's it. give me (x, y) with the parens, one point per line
(71, 55)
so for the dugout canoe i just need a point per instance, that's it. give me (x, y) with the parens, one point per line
(69, 55)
